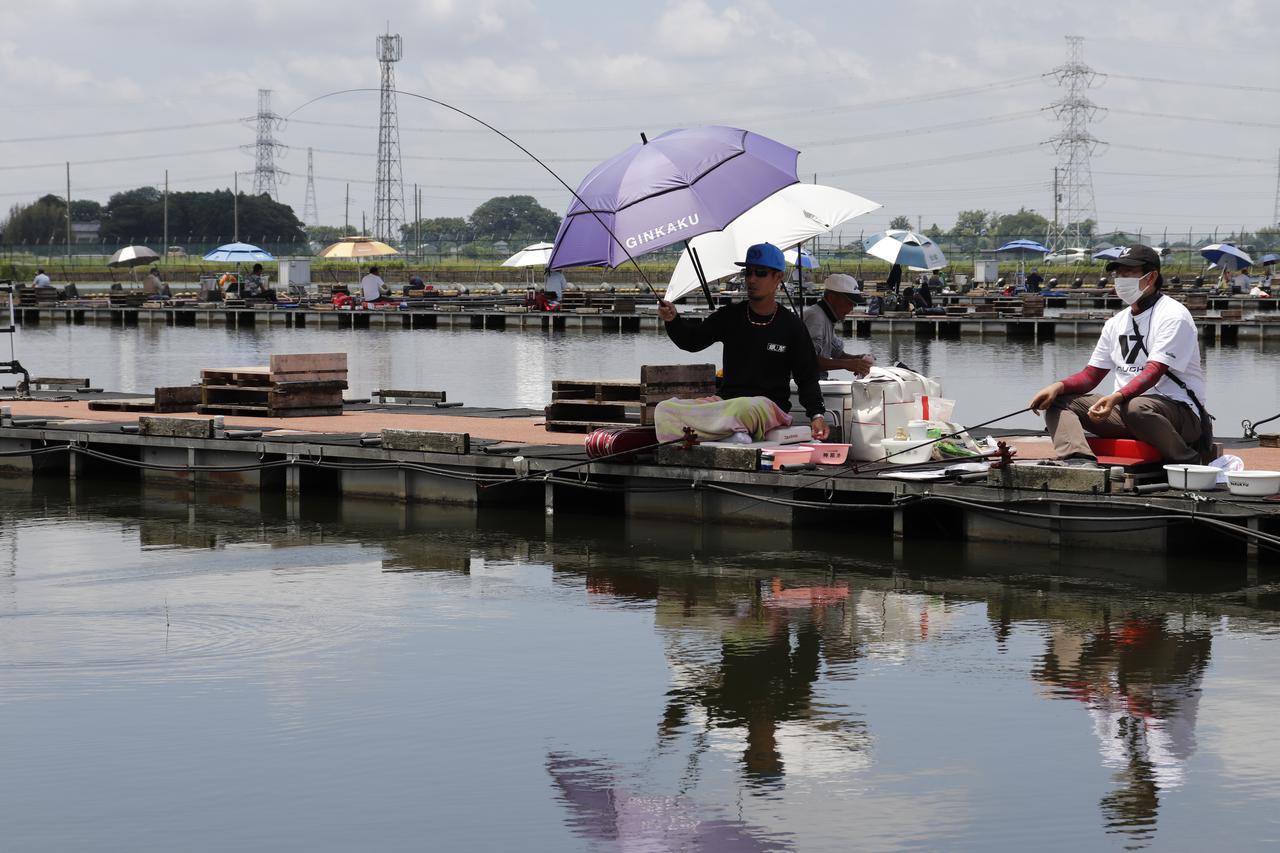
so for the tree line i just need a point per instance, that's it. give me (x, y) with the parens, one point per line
(139, 214)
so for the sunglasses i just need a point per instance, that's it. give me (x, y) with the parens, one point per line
(758, 272)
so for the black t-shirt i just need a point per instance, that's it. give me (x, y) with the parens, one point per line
(761, 356)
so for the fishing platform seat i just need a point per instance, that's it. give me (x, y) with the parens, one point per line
(1127, 452)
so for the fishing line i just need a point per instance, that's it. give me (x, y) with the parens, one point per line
(526, 151)
(857, 467)
(546, 475)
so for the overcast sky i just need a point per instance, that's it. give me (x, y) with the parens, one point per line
(125, 90)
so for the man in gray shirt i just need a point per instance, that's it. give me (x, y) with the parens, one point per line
(837, 302)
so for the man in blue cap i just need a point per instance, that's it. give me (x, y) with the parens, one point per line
(765, 345)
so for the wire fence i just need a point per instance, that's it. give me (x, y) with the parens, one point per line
(841, 250)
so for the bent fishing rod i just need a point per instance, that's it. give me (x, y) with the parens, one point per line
(508, 138)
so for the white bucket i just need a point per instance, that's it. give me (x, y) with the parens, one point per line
(918, 430)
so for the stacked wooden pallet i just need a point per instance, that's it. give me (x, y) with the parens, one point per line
(581, 405)
(301, 385)
(178, 398)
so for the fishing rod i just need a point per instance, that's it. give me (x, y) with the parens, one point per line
(524, 150)
(1251, 427)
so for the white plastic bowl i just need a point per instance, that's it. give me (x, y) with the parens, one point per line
(1253, 482)
(915, 451)
(1192, 477)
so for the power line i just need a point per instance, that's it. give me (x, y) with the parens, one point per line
(1272, 90)
(136, 157)
(440, 159)
(1205, 155)
(632, 127)
(498, 189)
(804, 145)
(926, 129)
(792, 83)
(101, 133)
(1204, 119)
(118, 187)
(934, 161)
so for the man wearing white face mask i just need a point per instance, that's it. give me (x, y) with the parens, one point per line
(1159, 392)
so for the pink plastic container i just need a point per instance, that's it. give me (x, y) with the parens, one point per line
(829, 454)
(794, 454)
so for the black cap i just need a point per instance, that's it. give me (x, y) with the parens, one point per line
(1136, 255)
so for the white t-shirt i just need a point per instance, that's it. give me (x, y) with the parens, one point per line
(1171, 339)
(371, 285)
(42, 280)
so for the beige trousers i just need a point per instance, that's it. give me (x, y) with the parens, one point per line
(1167, 425)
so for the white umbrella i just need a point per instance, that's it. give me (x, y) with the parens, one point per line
(915, 251)
(795, 256)
(132, 256)
(788, 217)
(536, 255)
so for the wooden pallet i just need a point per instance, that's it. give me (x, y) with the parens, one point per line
(582, 426)
(292, 385)
(591, 389)
(276, 396)
(581, 405)
(136, 404)
(406, 397)
(308, 367)
(178, 398)
(267, 412)
(60, 383)
(605, 413)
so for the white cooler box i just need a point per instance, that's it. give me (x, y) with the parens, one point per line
(837, 398)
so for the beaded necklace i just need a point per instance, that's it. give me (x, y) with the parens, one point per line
(766, 322)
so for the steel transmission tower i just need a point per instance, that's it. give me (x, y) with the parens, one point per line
(310, 217)
(389, 185)
(266, 176)
(1074, 144)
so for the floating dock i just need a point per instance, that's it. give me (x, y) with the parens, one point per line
(415, 455)
(1068, 317)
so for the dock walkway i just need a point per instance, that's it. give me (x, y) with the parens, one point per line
(509, 460)
(1260, 325)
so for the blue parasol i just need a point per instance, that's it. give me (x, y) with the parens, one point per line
(239, 253)
(1227, 256)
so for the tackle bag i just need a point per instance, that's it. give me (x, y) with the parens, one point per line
(884, 400)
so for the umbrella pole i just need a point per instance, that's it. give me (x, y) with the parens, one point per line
(702, 278)
(800, 274)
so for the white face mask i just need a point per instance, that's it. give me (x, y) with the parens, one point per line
(1129, 289)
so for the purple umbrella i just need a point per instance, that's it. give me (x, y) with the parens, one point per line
(667, 190)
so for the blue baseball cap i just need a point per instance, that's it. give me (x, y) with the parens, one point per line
(765, 255)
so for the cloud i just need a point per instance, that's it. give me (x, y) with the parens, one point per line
(17, 68)
(693, 28)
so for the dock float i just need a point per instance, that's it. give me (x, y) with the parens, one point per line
(479, 459)
(1255, 327)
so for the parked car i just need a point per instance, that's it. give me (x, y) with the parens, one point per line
(1074, 255)
(176, 252)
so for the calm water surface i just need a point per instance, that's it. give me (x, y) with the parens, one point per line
(987, 377)
(183, 671)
